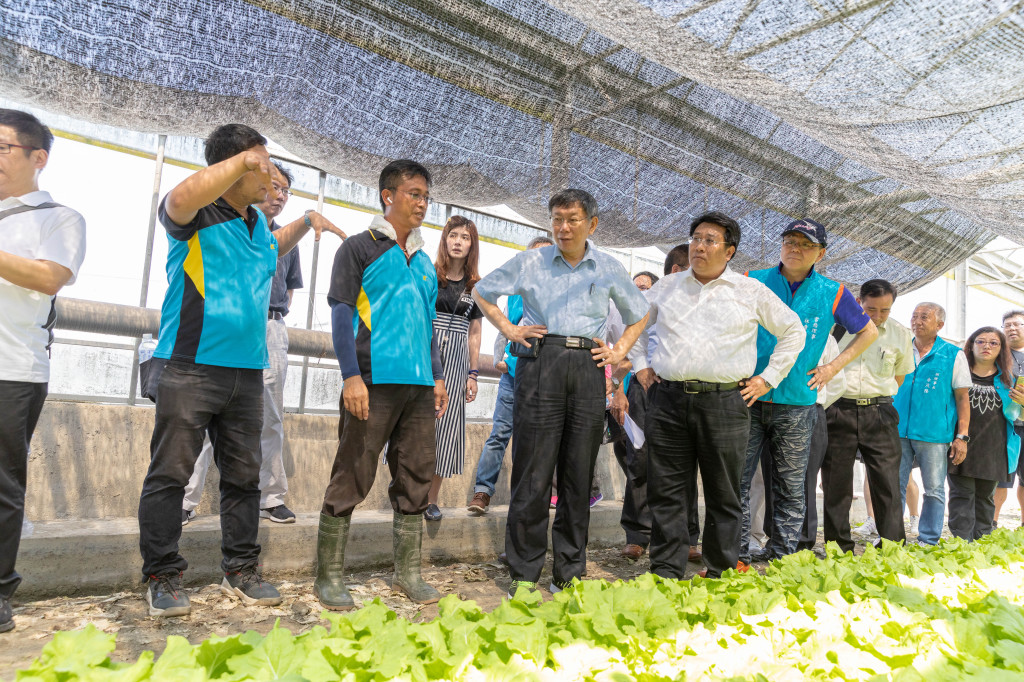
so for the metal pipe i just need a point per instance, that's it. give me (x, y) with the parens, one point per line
(960, 276)
(312, 293)
(154, 206)
(147, 266)
(95, 317)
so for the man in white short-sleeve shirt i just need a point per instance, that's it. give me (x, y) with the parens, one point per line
(935, 414)
(42, 245)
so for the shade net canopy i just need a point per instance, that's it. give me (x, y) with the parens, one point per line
(896, 123)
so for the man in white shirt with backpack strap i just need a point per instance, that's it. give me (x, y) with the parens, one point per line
(42, 245)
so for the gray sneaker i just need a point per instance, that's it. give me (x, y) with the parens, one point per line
(249, 586)
(187, 515)
(6, 617)
(165, 596)
(278, 514)
(557, 586)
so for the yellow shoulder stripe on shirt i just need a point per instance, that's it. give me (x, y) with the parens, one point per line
(194, 264)
(363, 306)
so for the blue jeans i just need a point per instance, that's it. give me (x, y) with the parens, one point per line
(489, 466)
(931, 457)
(786, 431)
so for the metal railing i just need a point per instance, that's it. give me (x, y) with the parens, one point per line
(130, 321)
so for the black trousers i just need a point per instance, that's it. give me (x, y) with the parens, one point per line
(20, 405)
(873, 430)
(972, 506)
(636, 515)
(684, 429)
(192, 400)
(558, 426)
(819, 443)
(402, 416)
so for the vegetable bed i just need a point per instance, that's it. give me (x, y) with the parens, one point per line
(909, 613)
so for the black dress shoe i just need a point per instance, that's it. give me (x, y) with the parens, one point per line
(432, 513)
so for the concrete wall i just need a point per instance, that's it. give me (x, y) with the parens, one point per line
(88, 461)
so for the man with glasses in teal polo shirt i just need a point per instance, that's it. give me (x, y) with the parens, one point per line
(382, 296)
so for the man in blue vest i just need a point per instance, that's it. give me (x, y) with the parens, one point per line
(489, 467)
(935, 411)
(783, 419)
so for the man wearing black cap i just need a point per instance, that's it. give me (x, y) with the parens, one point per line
(783, 418)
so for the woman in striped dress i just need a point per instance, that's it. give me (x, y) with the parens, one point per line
(457, 330)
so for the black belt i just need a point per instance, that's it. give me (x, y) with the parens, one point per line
(862, 402)
(580, 342)
(274, 315)
(703, 386)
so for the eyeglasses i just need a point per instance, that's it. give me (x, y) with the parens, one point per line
(571, 222)
(5, 147)
(803, 246)
(283, 191)
(1013, 325)
(697, 241)
(981, 342)
(417, 197)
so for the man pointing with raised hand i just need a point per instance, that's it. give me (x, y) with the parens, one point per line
(220, 261)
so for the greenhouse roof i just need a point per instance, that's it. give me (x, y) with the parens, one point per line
(897, 123)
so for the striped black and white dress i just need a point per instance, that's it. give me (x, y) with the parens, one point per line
(455, 310)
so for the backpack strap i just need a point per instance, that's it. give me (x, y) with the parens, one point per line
(51, 318)
(24, 208)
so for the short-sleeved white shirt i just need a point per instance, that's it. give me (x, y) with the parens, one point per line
(961, 370)
(52, 234)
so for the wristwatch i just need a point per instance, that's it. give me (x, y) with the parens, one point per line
(964, 437)
(615, 382)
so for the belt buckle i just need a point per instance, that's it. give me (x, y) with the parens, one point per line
(573, 342)
(687, 384)
(861, 402)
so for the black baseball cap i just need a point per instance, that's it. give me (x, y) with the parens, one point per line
(808, 228)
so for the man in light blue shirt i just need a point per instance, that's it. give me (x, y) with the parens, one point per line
(560, 388)
(489, 466)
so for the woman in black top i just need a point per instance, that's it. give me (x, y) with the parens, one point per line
(457, 329)
(994, 447)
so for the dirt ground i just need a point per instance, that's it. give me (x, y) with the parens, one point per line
(125, 613)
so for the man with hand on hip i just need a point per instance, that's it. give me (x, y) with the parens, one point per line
(702, 372)
(560, 383)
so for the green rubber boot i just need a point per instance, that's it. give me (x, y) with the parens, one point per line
(408, 536)
(329, 587)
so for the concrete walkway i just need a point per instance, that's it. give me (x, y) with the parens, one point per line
(65, 558)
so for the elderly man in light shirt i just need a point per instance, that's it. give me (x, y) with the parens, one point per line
(706, 319)
(934, 406)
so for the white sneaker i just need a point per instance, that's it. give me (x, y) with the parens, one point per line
(866, 529)
(914, 522)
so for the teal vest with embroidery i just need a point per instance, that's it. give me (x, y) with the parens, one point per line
(1009, 412)
(925, 400)
(815, 302)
